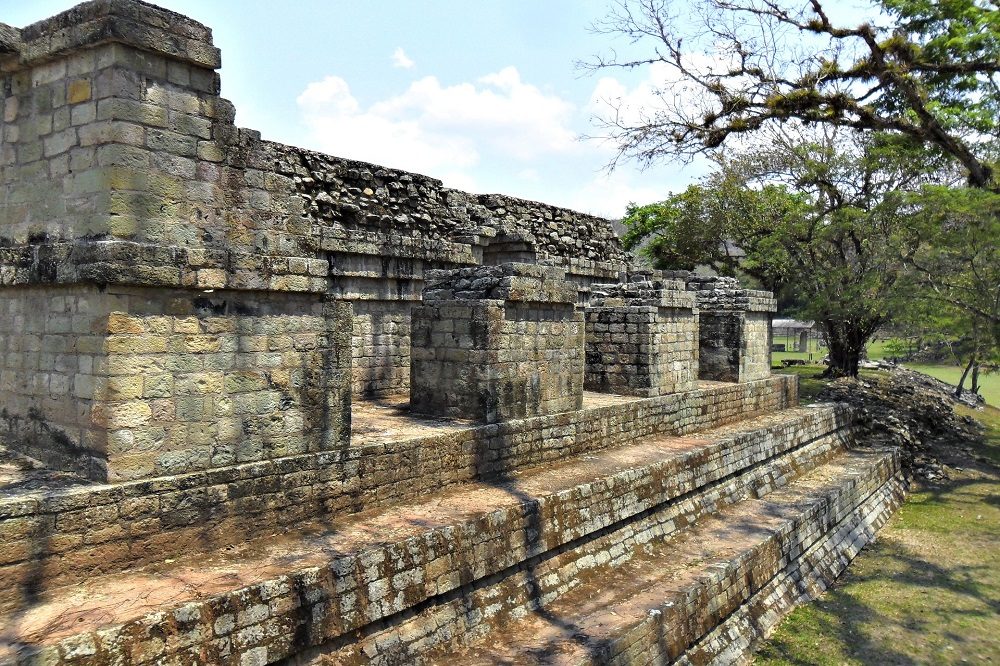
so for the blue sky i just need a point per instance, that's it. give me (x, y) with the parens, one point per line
(483, 94)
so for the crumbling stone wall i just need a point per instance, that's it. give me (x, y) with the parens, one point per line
(642, 339)
(384, 201)
(497, 342)
(734, 329)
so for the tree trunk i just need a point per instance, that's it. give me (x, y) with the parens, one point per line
(965, 373)
(846, 342)
(975, 379)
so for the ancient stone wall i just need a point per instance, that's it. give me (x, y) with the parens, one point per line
(147, 162)
(755, 362)
(642, 339)
(496, 343)
(735, 329)
(85, 530)
(51, 355)
(125, 382)
(121, 166)
(187, 313)
(381, 344)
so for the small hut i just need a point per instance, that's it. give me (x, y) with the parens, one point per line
(793, 335)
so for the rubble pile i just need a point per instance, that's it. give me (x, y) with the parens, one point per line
(911, 411)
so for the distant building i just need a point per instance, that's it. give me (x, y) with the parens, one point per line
(793, 335)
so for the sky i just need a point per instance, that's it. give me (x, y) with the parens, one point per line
(485, 95)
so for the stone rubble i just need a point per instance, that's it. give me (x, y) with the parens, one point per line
(908, 410)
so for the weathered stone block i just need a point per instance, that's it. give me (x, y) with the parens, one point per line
(734, 330)
(137, 392)
(497, 343)
(642, 339)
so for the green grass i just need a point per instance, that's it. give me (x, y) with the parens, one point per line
(989, 385)
(877, 350)
(809, 382)
(927, 591)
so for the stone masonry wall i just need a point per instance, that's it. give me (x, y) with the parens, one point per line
(120, 163)
(497, 342)
(76, 532)
(756, 356)
(381, 344)
(51, 354)
(735, 329)
(720, 343)
(641, 350)
(642, 339)
(363, 197)
(126, 383)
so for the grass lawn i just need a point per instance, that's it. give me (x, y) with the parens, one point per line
(989, 385)
(928, 590)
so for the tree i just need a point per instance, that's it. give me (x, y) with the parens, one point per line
(711, 223)
(817, 213)
(951, 249)
(925, 70)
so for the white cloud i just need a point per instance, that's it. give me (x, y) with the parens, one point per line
(609, 194)
(496, 133)
(435, 128)
(663, 87)
(401, 60)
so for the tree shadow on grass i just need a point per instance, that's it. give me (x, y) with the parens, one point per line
(857, 613)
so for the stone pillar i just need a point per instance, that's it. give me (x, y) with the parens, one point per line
(642, 338)
(494, 343)
(734, 329)
(163, 303)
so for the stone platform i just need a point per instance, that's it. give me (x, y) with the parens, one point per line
(66, 534)
(262, 405)
(428, 578)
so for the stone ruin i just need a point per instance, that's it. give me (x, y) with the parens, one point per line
(260, 404)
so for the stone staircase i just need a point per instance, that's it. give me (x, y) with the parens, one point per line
(203, 456)
(668, 547)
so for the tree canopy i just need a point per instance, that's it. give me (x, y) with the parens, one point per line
(925, 70)
(820, 213)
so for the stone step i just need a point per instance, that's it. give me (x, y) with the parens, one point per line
(701, 596)
(271, 599)
(56, 531)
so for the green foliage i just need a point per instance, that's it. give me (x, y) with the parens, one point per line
(928, 75)
(710, 224)
(952, 252)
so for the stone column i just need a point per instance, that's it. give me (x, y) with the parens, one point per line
(642, 338)
(734, 329)
(494, 343)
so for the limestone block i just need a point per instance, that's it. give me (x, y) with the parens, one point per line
(641, 339)
(496, 343)
(734, 330)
